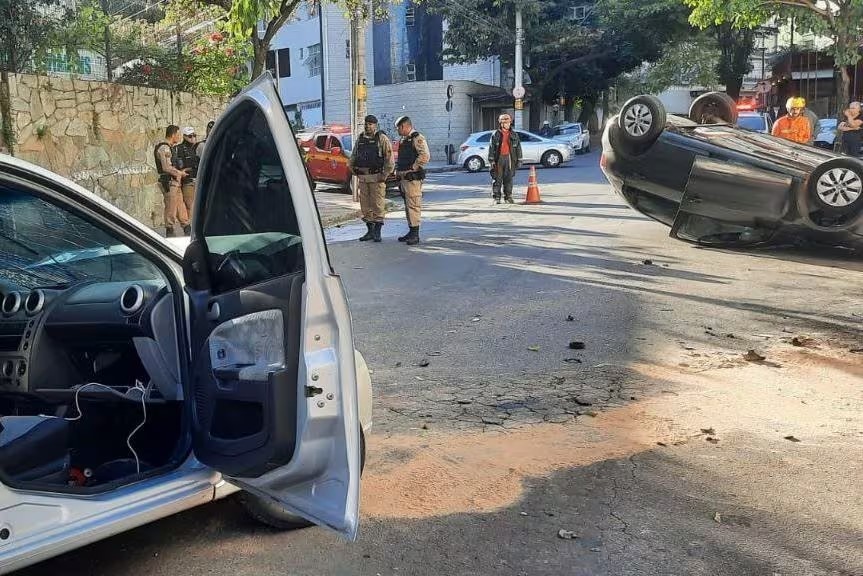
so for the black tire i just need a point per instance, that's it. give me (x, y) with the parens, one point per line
(272, 514)
(474, 164)
(713, 108)
(552, 159)
(836, 188)
(641, 121)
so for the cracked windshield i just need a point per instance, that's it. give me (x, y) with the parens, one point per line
(431, 287)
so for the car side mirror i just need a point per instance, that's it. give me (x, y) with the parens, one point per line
(336, 150)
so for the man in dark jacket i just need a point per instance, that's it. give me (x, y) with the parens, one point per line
(504, 157)
(189, 159)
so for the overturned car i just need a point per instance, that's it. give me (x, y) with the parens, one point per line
(716, 184)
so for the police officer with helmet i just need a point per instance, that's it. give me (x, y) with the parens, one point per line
(372, 161)
(410, 169)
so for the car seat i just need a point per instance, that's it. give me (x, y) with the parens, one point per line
(34, 448)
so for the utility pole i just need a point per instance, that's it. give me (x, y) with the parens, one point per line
(518, 91)
(358, 81)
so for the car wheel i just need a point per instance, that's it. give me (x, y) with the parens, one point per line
(713, 108)
(641, 120)
(474, 164)
(552, 159)
(836, 187)
(272, 513)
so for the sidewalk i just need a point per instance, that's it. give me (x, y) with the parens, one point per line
(336, 208)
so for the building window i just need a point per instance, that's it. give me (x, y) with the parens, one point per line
(314, 60)
(580, 12)
(284, 62)
(410, 16)
(271, 62)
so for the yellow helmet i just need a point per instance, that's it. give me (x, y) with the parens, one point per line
(795, 102)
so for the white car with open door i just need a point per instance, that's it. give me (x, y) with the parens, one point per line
(137, 381)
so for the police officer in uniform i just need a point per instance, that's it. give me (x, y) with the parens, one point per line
(170, 177)
(410, 169)
(188, 160)
(372, 161)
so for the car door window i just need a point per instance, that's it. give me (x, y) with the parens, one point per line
(250, 225)
(322, 142)
(484, 139)
(525, 137)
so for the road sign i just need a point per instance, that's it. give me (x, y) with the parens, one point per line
(519, 104)
(518, 92)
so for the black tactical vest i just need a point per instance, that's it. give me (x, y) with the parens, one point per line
(407, 152)
(369, 152)
(163, 176)
(187, 159)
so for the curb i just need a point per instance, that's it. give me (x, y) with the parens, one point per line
(350, 216)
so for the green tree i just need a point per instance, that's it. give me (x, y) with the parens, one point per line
(734, 61)
(840, 20)
(690, 62)
(577, 58)
(26, 30)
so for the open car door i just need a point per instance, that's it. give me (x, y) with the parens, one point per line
(273, 380)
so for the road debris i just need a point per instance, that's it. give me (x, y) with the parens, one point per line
(647, 262)
(492, 421)
(475, 319)
(801, 341)
(582, 402)
(753, 356)
(570, 318)
(791, 438)
(398, 364)
(522, 513)
(576, 345)
(533, 348)
(464, 402)
(423, 363)
(566, 534)
(425, 426)
(663, 444)
(856, 350)
(712, 440)
(435, 353)
(717, 517)
(572, 360)
(596, 549)
(708, 431)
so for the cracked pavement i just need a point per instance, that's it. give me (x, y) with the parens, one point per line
(478, 459)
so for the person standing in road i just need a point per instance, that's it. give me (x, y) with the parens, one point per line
(545, 131)
(504, 157)
(189, 159)
(851, 130)
(372, 161)
(169, 181)
(794, 126)
(410, 168)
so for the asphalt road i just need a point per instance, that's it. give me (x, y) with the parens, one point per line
(656, 446)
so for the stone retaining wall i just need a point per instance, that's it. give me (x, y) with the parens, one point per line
(101, 135)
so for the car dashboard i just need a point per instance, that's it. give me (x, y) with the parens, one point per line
(116, 333)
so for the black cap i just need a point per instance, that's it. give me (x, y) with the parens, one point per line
(371, 119)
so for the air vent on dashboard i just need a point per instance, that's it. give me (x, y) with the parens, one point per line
(35, 302)
(11, 303)
(132, 299)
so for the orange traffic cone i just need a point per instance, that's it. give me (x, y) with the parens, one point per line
(532, 188)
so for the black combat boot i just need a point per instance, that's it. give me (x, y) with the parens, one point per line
(413, 236)
(187, 230)
(509, 200)
(406, 236)
(376, 231)
(169, 232)
(369, 233)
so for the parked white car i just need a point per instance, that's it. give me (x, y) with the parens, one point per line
(138, 379)
(534, 148)
(575, 134)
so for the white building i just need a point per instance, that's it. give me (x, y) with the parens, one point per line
(310, 56)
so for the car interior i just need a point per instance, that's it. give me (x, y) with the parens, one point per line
(91, 374)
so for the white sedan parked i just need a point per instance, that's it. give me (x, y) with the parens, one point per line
(138, 379)
(534, 148)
